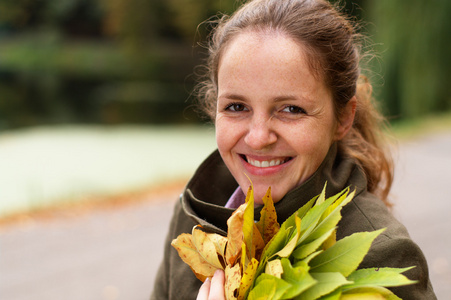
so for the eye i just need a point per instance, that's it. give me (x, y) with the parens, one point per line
(235, 107)
(293, 109)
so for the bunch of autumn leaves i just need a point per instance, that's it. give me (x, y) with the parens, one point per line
(300, 259)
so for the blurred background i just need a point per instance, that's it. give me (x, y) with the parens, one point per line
(96, 97)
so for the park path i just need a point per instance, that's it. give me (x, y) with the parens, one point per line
(114, 253)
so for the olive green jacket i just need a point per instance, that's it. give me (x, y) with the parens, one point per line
(203, 200)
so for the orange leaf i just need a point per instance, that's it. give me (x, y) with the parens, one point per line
(268, 225)
(257, 243)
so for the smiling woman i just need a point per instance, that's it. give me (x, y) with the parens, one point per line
(292, 112)
(255, 127)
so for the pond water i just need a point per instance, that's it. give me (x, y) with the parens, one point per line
(46, 165)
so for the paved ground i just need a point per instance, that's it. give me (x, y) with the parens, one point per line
(114, 254)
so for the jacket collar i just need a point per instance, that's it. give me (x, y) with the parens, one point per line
(211, 186)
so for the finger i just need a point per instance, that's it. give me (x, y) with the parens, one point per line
(217, 286)
(204, 290)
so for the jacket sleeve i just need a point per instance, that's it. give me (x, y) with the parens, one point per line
(174, 279)
(402, 253)
(161, 284)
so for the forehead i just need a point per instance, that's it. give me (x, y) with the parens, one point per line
(263, 54)
(249, 42)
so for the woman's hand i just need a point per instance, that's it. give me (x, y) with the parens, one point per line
(213, 289)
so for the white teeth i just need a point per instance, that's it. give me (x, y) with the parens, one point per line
(265, 163)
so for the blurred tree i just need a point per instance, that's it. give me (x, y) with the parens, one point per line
(19, 14)
(415, 39)
(80, 60)
(76, 18)
(188, 14)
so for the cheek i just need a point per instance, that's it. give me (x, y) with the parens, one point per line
(313, 142)
(225, 134)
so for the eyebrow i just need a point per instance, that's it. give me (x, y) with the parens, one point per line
(276, 99)
(232, 96)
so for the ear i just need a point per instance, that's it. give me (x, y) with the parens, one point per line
(346, 119)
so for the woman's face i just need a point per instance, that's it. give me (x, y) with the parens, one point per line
(275, 121)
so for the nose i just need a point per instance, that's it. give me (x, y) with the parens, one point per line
(260, 133)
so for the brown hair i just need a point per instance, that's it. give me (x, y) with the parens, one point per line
(334, 52)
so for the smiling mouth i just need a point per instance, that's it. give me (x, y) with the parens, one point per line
(266, 163)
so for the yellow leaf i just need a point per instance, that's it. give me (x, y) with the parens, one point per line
(205, 247)
(251, 234)
(189, 254)
(244, 258)
(248, 225)
(248, 278)
(274, 268)
(232, 281)
(331, 240)
(220, 243)
(234, 235)
(363, 296)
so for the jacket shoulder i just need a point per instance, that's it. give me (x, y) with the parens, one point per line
(393, 248)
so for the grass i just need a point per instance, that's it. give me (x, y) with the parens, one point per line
(416, 128)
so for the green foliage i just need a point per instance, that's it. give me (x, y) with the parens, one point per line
(414, 46)
(305, 264)
(106, 46)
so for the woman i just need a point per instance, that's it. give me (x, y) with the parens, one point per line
(291, 111)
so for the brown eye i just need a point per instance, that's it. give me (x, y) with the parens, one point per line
(236, 107)
(293, 109)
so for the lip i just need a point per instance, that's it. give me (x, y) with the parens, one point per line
(265, 165)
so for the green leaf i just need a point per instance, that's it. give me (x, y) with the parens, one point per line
(364, 296)
(322, 196)
(312, 218)
(326, 283)
(346, 255)
(268, 287)
(305, 250)
(264, 290)
(330, 222)
(342, 199)
(306, 261)
(306, 207)
(276, 244)
(360, 293)
(335, 295)
(298, 277)
(289, 247)
(386, 277)
(332, 215)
